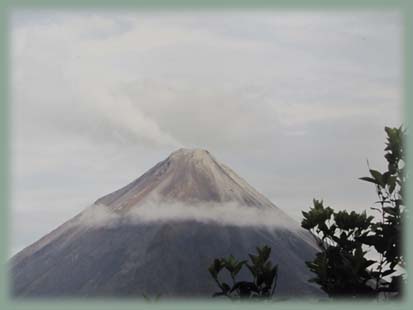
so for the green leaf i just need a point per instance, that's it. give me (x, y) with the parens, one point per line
(388, 272)
(377, 176)
(368, 179)
(264, 253)
(216, 267)
(238, 267)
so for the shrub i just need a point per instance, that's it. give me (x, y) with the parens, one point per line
(264, 276)
(341, 267)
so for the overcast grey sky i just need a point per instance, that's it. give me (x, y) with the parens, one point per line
(293, 101)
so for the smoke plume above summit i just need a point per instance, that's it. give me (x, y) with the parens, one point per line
(287, 98)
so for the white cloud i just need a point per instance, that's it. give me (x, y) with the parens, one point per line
(154, 211)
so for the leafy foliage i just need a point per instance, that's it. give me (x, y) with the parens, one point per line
(264, 276)
(341, 267)
(386, 234)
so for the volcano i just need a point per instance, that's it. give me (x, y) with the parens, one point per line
(158, 235)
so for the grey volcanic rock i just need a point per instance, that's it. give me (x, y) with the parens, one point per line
(188, 176)
(132, 257)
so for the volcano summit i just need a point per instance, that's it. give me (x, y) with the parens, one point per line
(158, 235)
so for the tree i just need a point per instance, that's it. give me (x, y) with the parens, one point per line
(386, 234)
(341, 267)
(264, 276)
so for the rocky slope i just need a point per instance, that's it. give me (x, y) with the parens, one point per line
(113, 249)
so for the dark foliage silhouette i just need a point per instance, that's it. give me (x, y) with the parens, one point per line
(342, 268)
(263, 273)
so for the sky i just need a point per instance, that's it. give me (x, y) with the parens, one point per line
(294, 101)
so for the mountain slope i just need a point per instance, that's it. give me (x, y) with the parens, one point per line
(190, 176)
(132, 256)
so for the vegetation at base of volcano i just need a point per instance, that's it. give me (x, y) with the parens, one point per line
(263, 276)
(342, 267)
